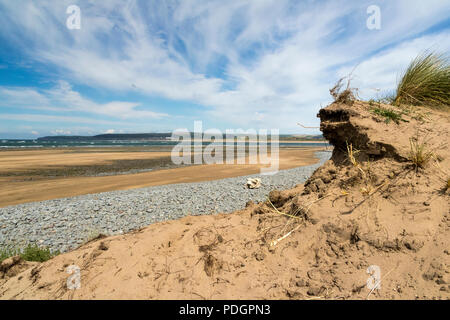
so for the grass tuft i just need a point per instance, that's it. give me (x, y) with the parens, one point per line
(418, 154)
(426, 82)
(35, 253)
(29, 253)
(5, 253)
(388, 114)
(351, 154)
(366, 173)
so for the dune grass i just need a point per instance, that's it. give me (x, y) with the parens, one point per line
(426, 82)
(419, 155)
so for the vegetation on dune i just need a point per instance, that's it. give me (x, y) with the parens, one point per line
(6, 253)
(388, 114)
(419, 155)
(426, 82)
(341, 94)
(29, 253)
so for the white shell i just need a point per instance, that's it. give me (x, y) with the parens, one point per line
(253, 183)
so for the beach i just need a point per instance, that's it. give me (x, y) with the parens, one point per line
(78, 211)
(44, 174)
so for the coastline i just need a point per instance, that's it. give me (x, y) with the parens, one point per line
(22, 145)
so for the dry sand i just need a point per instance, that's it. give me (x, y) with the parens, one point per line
(316, 241)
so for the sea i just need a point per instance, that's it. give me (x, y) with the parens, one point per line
(28, 143)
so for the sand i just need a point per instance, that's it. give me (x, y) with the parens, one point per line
(11, 161)
(23, 188)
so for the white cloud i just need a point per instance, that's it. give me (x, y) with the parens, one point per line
(62, 98)
(28, 117)
(61, 132)
(19, 96)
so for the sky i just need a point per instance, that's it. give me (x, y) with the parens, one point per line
(157, 66)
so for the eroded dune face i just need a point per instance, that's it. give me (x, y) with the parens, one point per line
(369, 209)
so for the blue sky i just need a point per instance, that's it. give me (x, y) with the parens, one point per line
(155, 66)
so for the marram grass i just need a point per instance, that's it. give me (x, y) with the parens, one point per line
(426, 82)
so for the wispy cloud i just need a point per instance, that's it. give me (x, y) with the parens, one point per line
(62, 98)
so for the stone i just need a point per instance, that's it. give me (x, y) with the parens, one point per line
(253, 183)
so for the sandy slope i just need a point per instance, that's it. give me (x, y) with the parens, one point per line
(317, 244)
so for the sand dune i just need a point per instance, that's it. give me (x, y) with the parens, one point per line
(320, 240)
